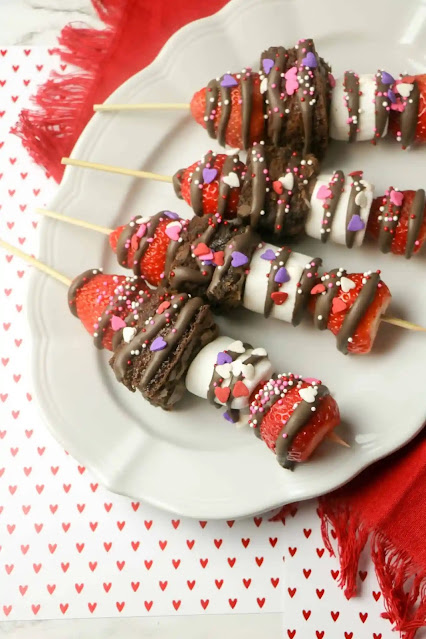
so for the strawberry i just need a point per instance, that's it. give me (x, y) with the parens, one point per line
(419, 133)
(210, 189)
(333, 301)
(93, 293)
(289, 391)
(380, 208)
(151, 266)
(234, 127)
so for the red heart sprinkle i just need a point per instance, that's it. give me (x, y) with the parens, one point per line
(163, 306)
(218, 258)
(201, 249)
(318, 288)
(222, 394)
(338, 305)
(278, 187)
(278, 297)
(240, 390)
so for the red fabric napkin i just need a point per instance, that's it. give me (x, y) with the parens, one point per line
(386, 505)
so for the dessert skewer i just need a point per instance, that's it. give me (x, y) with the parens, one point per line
(228, 372)
(284, 195)
(229, 265)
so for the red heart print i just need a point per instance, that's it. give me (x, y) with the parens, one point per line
(148, 563)
(175, 523)
(320, 634)
(232, 560)
(334, 574)
(218, 543)
(232, 603)
(204, 562)
(176, 604)
(51, 588)
(318, 288)
(65, 566)
(307, 533)
(23, 590)
(247, 582)
(148, 524)
(273, 541)
(334, 615)
(63, 607)
(92, 606)
(35, 608)
(120, 525)
(257, 521)
(219, 258)
(291, 633)
(120, 565)
(148, 605)
(362, 574)
(162, 544)
(292, 551)
(7, 610)
(275, 582)
(320, 593)
(79, 587)
(163, 306)
(230, 523)
(120, 605)
(376, 595)
(292, 592)
(191, 584)
(306, 614)
(363, 616)
(245, 542)
(190, 543)
(135, 545)
(307, 573)
(320, 552)
(176, 563)
(204, 603)
(135, 585)
(163, 585)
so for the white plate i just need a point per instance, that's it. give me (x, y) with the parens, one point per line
(191, 461)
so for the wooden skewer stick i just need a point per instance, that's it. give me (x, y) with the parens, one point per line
(403, 323)
(152, 106)
(32, 260)
(334, 437)
(74, 221)
(117, 169)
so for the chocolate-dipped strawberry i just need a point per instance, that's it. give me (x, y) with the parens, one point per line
(296, 84)
(230, 108)
(211, 185)
(102, 302)
(292, 416)
(408, 110)
(351, 306)
(153, 357)
(398, 221)
(147, 245)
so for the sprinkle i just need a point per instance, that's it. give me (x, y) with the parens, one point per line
(117, 323)
(209, 175)
(223, 358)
(128, 334)
(228, 81)
(318, 288)
(279, 297)
(396, 197)
(171, 215)
(269, 255)
(338, 305)
(222, 394)
(158, 344)
(282, 275)
(287, 181)
(387, 78)
(323, 192)
(231, 180)
(310, 60)
(240, 390)
(163, 306)
(173, 230)
(238, 259)
(356, 224)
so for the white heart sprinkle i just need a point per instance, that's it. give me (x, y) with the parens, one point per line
(259, 352)
(236, 347)
(287, 181)
(361, 199)
(264, 85)
(308, 394)
(231, 180)
(142, 220)
(246, 370)
(404, 89)
(224, 370)
(232, 151)
(346, 284)
(128, 334)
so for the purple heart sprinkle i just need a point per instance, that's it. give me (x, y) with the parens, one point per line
(282, 275)
(171, 215)
(268, 255)
(223, 358)
(208, 263)
(229, 418)
(310, 60)
(391, 96)
(209, 175)
(387, 78)
(356, 224)
(228, 81)
(267, 65)
(238, 259)
(158, 344)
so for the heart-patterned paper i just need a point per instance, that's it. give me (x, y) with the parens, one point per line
(70, 548)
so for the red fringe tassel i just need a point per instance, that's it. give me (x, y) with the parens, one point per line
(64, 102)
(403, 588)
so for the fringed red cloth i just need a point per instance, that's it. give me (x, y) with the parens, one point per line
(135, 31)
(386, 506)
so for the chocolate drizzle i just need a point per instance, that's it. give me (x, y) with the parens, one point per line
(219, 95)
(389, 220)
(231, 165)
(415, 221)
(336, 186)
(176, 320)
(197, 181)
(408, 119)
(382, 106)
(305, 100)
(352, 94)
(77, 284)
(274, 91)
(281, 258)
(353, 208)
(259, 186)
(205, 270)
(310, 277)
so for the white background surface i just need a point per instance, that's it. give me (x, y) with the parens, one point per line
(271, 625)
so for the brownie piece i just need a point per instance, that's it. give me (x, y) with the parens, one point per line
(154, 356)
(297, 106)
(276, 202)
(204, 264)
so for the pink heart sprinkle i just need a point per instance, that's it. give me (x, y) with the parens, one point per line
(396, 197)
(117, 323)
(207, 256)
(173, 230)
(291, 84)
(141, 230)
(323, 192)
(311, 380)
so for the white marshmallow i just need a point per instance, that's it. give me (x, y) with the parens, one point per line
(201, 370)
(337, 234)
(339, 127)
(257, 282)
